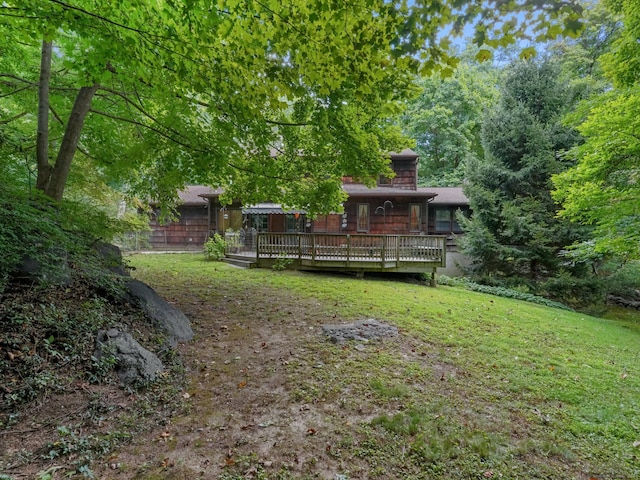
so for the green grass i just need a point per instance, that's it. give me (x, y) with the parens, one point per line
(475, 386)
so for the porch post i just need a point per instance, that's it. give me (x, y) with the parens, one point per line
(348, 248)
(313, 248)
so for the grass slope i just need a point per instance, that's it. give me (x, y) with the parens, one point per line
(475, 386)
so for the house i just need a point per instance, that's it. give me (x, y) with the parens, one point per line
(395, 206)
(190, 230)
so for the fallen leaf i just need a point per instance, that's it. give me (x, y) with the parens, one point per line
(242, 384)
(311, 431)
(488, 474)
(636, 444)
(186, 395)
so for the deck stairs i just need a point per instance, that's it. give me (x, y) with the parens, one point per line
(241, 261)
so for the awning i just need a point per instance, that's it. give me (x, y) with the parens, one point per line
(269, 209)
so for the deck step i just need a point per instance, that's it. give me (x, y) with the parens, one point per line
(240, 262)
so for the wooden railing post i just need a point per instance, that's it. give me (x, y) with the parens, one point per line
(314, 247)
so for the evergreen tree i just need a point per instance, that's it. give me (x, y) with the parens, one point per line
(514, 230)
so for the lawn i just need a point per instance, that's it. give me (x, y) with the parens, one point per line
(473, 386)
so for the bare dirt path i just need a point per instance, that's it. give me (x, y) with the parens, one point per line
(246, 414)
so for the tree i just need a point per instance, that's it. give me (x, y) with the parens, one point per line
(514, 230)
(445, 120)
(202, 92)
(603, 188)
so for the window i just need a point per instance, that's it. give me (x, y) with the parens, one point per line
(382, 180)
(294, 223)
(443, 219)
(260, 222)
(363, 217)
(446, 220)
(415, 217)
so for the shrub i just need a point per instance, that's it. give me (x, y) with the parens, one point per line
(214, 247)
(625, 280)
(515, 293)
(51, 235)
(282, 263)
(573, 290)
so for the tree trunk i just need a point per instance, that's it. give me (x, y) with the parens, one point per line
(42, 137)
(70, 140)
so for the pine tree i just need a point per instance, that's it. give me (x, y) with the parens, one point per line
(514, 230)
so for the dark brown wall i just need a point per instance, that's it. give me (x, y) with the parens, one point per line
(392, 221)
(190, 230)
(406, 174)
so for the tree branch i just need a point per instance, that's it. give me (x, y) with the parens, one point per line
(11, 119)
(148, 127)
(141, 110)
(55, 114)
(16, 91)
(20, 79)
(105, 19)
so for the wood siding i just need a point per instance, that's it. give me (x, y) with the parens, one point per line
(190, 230)
(385, 220)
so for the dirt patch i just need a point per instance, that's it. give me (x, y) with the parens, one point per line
(361, 331)
(246, 411)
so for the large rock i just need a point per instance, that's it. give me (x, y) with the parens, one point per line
(52, 268)
(169, 318)
(111, 257)
(134, 363)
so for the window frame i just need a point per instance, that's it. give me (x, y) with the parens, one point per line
(362, 217)
(415, 221)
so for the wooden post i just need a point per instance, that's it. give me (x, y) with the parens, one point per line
(313, 249)
(433, 282)
(348, 248)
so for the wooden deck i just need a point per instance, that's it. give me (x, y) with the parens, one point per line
(355, 253)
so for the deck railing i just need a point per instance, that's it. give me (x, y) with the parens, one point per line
(341, 248)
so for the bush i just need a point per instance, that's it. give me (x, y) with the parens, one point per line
(573, 290)
(624, 280)
(214, 248)
(51, 236)
(498, 291)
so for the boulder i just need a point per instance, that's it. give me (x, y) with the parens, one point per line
(51, 268)
(134, 363)
(165, 315)
(111, 257)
